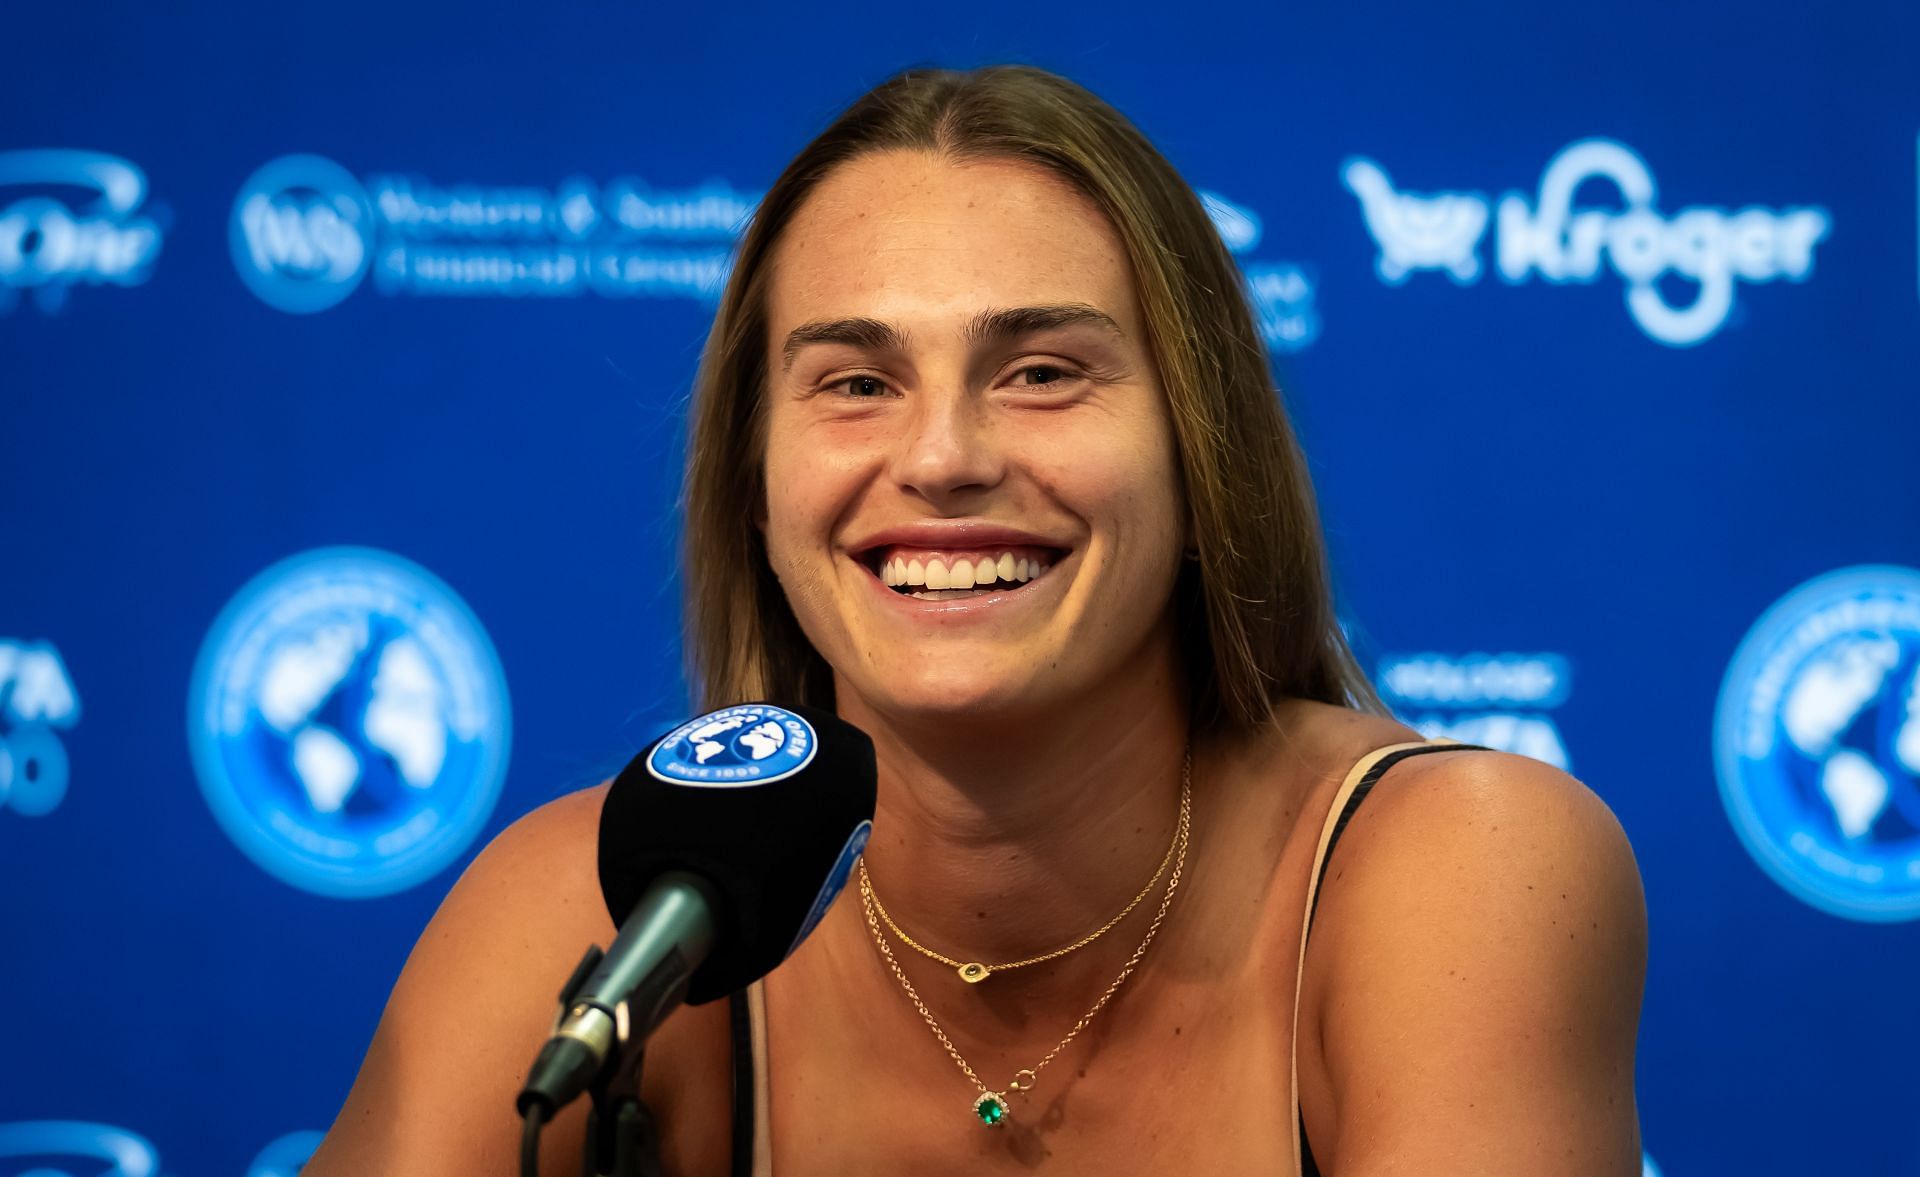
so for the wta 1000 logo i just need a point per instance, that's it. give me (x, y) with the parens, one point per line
(349, 725)
(1281, 292)
(1817, 742)
(1711, 248)
(305, 232)
(50, 242)
(37, 701)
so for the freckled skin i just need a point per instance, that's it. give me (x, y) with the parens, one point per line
(967, 431)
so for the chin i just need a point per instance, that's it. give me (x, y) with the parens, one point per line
(936, 696)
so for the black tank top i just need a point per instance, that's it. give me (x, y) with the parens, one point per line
(741, 1021)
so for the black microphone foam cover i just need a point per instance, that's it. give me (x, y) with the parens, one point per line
(769, 804)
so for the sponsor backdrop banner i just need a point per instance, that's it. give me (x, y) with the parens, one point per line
(345, 353)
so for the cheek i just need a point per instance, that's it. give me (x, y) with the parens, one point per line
(1128, 477)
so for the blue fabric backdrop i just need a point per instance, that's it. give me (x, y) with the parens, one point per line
(343, 358)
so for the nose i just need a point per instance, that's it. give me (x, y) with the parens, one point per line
(948, 450)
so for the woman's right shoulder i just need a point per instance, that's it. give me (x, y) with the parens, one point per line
(473, 1004)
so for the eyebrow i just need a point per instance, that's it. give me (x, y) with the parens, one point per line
(988, 326)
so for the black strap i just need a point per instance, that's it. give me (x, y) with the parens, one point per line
(740, 1024)
(1308, 1166)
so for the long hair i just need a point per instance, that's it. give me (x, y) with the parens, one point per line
(1254, 610)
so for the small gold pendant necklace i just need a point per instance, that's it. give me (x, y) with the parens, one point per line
(973, 972)
(990, 1107)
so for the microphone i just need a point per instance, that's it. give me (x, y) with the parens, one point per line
(721, 848)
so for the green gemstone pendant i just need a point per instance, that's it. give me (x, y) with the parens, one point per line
(992, 1108)
(973, 974)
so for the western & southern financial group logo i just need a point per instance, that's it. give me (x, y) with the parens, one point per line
(1282, 293)
(1712, 248)
(51, 242)
(1817, 742)
(349, 723)
(305, 232)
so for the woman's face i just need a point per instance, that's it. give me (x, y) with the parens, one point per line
(973, 497)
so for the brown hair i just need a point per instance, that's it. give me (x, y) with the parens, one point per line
(1255, 610)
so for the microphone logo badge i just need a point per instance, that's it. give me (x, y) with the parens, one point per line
(752, 744)
(349, 724)
(1817, 742)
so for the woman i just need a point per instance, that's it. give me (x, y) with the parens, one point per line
(986, 458)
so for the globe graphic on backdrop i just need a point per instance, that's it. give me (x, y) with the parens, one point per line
(354, 714)
(1852, 722)
(1817, 742)
(349, 722)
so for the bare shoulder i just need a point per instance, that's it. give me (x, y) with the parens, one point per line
(1475, 974)
(473, 1004)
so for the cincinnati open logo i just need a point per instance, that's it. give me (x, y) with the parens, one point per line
(753, 744)
(1701, 248)
(349, 722)
(72, 218)
(1817, 742)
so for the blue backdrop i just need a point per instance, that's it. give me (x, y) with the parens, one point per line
(344, 352)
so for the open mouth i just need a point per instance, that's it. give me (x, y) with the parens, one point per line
(935, 575)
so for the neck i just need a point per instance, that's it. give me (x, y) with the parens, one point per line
(999, 841)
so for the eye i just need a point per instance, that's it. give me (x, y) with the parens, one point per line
(860, 387)
(1056, 370)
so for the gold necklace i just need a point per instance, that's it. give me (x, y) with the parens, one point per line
(991, 1106)
(974, 972)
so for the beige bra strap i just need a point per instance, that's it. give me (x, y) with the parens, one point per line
(1340, 798)
(762, 1082)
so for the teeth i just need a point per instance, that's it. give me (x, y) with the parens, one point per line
(962, 574)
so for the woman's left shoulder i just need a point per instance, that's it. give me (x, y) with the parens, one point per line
(1483, 924)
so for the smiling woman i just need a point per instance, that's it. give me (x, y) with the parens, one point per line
(987, 458)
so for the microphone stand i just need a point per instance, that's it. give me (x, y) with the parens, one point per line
(622, 1140)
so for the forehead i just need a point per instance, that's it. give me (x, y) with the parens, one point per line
(910, 237)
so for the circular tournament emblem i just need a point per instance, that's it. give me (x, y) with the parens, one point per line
(302, 233)
(752, 744)
(1817, 742)
(348, 719)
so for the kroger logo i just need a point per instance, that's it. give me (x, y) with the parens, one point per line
(1281, 292)
(305, 232)
(1713, 248)
(48, 245)
(753, 744)
(1502, 701)
(1817, 742)
(78, 1149)
(348, 718)
(36, 697)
